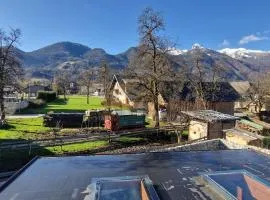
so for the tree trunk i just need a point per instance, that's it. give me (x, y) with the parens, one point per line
(88, 91)
(65, 98)
(156, 112)
(2, 105)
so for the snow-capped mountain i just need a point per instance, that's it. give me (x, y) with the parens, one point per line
(197, 46)
(175, 51)
(257, 58)
(243, 53)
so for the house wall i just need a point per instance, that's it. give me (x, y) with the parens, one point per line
(197, 130)
(224, 107)
(120, 95)
(215, 130)
(242, 140)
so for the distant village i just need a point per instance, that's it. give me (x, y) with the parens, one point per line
(231, 114)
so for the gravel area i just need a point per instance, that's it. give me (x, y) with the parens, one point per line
(139, 148)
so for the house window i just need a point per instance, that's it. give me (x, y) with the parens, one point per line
(117, 91)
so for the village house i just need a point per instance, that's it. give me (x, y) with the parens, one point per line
(222, 99)
(127, 92)
(73, 88)
(31, 91)
(242, 87)
(96, 89)
(208, 124)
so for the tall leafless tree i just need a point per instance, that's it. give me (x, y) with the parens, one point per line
(105, 77)
(199, 73)
(86, 79)
(259, 91)
(150, 65)
(10, 67)
(62, 82)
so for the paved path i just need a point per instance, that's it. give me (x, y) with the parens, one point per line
(24, 116)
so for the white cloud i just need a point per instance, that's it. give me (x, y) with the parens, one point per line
(225, 43)
(252, 38)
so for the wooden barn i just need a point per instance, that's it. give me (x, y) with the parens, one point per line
(208, 124)
(220, 96)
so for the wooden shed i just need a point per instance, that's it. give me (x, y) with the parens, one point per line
(208, 124)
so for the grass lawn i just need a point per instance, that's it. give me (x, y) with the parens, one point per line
(74, 103)
(28, 128)
(14, 159)
(129, 140)
(72, 148)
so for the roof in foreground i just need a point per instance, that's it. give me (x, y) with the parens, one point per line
(209, 115)
(173, 174)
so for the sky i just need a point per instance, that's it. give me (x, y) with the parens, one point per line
(112, 24)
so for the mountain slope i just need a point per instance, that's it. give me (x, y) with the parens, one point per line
(76, 57)
(260, 60)
(235, 69)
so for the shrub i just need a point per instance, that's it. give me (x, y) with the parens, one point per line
(266, 142)
(185, 135)
(36, 103)
(46, 95)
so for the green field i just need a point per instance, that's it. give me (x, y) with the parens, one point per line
(74, 103)
(24, 129)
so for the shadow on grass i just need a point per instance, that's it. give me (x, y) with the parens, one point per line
(12, 159)
(45, 108)
(7, 127)
(58, 101)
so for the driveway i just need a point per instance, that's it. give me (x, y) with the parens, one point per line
(24, 116)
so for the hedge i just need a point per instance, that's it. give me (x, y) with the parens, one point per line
(46, 95)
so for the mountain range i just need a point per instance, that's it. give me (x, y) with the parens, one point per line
(42, 63)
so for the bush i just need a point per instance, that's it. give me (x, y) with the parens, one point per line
(46, 95)
(36, 103)
(266, 142)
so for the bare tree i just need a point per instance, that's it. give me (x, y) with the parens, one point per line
(150, 65)
(62, 81)
(86, 79)
(10, 67)
(199, 74)
(259, 90)
(104, 76)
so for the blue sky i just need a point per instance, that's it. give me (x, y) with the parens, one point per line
(112, 24)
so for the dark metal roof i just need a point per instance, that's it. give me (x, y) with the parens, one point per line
(172, 173)
(209, 115)
(212, 92)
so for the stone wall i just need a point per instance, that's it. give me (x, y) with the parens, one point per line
(12, 107)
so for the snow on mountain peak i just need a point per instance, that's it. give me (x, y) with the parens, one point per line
(176, 52)
(197, 46)
(241, 52)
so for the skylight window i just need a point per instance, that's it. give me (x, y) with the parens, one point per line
(124, 188)
(238, 184)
